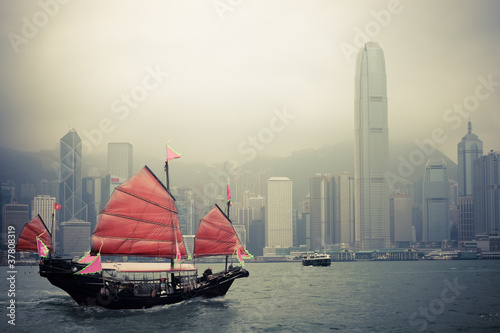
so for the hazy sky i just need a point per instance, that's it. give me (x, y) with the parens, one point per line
(227, 79)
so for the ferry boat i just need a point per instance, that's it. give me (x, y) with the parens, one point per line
(316, 259)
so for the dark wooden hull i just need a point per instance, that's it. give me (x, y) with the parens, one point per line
(87, 289)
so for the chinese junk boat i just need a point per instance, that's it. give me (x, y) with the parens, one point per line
(140, 219)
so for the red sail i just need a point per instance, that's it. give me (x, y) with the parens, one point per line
(216, 235)
(140, 219)
(33, 229)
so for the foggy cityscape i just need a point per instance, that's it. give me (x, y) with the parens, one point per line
(368, 131)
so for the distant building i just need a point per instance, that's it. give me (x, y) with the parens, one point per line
(257, 237)
(15, 215)
(371, 150)
(120, 159)
(344, 210)
(75, 238)
(279, 231)
(466, 218)
(92, 194)
(401, 218)
(322, 214)
(70, 192)
(43, 205)
(469, 149)
(487, 194)
(436, 221)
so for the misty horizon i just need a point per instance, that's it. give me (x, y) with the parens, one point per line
(230, 83)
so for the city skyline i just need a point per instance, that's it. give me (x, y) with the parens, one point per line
(260, 74)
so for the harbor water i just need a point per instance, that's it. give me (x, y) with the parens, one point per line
(417, 296)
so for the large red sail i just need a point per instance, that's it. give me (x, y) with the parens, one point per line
(140, 219)
(216, 236)
(33, 229)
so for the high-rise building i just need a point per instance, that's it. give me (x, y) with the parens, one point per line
(436, 212)
(322, 214)
(75, 238)
(486, 171)
(344, 209)
(43, 205)
(371, 150)
(469, 149)
(401, 218)
(120, 159)
(13, 215)
(279, 232)
(70, 192)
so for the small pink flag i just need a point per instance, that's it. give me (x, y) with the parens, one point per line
(172, 154)
(87, 258)
(42, 249)
(93, 267)
(228, 195)
(57, 206)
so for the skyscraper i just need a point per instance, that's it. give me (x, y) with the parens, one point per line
(322, 215)
(371, 150)
(279, 232)
(401, 218)
(43, 205)
(436, 224)
(70, 191)
(486, 171)
(120, 159)
(469, 149)
(344, 209)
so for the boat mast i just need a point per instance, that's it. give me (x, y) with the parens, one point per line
(166, 172)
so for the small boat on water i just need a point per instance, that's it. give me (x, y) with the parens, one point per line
(316, 259)
(139, 220)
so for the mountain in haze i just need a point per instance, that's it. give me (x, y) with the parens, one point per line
(300, 166)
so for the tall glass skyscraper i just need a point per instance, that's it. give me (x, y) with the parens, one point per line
(70, 193)
(436, 225)
(469, 149)
(371, 150)
(486, 171)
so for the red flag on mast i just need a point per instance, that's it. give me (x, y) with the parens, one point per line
(228, 195)
(57, 206)
(172, 154)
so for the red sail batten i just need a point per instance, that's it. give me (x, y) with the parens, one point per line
(139, 219)
(216, 236)
(31, 230)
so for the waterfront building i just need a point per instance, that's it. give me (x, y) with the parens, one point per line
(279, 232)
(401, 218)
(486, 170)
(469, 149)
(75, 238)
(70, 192)
(43, 205)
(321, 209)
(344, 210)
(371, 150)
(13, 215)
(436, 208)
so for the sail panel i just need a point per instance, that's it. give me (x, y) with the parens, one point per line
(216, 235)
(31, 230)
(139, 219)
